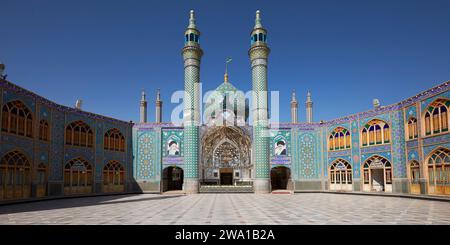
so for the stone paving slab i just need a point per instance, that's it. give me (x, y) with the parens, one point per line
(229, 209)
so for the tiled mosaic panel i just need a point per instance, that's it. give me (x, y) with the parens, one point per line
(385, 117)
(356, 157)
(427, 102)
(398, 144)
(191, 156)
(9, 96)
(307, 151)
(147, 163)
(427, 150)
(57, 146)
(191, 107)
(261, 148)
(411, 112)
(413, 154)
(386, 155)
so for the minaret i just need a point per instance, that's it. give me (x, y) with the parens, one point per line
(143, 109)
(78, 104)
(294, 108)
(192, 54)
(309, 108)
(158, 114)
(259, 52)
(2, 69)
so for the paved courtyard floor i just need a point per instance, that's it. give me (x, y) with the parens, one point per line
(230, 209)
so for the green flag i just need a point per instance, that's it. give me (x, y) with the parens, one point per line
(229, 60)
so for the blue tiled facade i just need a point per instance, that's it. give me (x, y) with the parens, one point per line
(308, 156)
(54, 153)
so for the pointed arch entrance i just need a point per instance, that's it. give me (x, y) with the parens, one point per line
(377, 174)
(341, 178)
(438, 172)
(15, 176)
(173, 178)
(226, 156)
(280, 177)
(414, 176)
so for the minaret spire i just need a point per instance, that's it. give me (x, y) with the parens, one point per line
(294, 108)
(192, 20)
(258, 20)
(2, 69)
(309, 108)
(158, 95)
(158, 114)
(143, 108)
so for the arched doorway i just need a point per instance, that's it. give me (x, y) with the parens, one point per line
(377, 174)
(78, 177)
(113, 177)
(15, 176)
(439, 172)
(173, 179)
(340, 176)
(414, 176)
(226, 156)
(279, 178)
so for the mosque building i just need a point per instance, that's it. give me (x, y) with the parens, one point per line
(50, 150)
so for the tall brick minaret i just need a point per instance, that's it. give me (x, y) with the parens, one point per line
(192, 54)
(259, 52)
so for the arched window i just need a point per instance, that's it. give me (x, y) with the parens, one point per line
(439, 171)
(412, 128)
(113, 140)
(77, 176)
(260, 37)
(340, 175)
(44, 130)
(191, 37)
(79, 134)
(15, 176)
(375, 132)
(17, 119)
(41, 180)
(113, 177)
(339, 139)
(436, 117)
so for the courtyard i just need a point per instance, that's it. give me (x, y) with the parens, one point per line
(229, 209)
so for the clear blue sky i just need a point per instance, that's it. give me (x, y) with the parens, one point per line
(346, 52)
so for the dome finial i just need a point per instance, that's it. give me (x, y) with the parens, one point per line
(142, 95)
(225, 76)
(158, 94)
(192, 20)
(258, 20)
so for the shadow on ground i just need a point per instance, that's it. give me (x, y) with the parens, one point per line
(77, 202)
